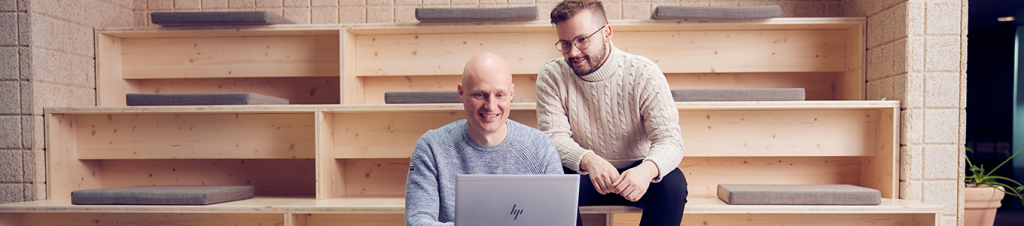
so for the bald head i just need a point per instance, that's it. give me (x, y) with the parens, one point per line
(486, 64)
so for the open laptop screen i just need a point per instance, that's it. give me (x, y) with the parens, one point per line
(505, 200)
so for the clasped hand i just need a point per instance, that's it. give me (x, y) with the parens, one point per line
(631, 184)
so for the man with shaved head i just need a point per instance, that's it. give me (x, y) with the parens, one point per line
(486, 142)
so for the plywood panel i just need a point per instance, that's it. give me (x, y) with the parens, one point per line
(739, 51)
(312, 90)
(231, 57)
(703, 174)
(393, 135)
(779, 133)
(629, 219)
(375, 87)
(330, 179)
(852, 86)
(270, 177)
(65, 172)
(817, 85)
(110, 86)
(881, 171)
(356, 219)
(10, 219)
(375, 177)
(196, 136)
(184, 219)
(447, 54)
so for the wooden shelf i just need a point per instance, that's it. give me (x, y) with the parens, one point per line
(340, 155)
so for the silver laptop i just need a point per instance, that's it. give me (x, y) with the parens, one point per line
(506, 200)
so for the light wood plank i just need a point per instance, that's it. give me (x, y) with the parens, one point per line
(881, 171)
(803, 23)
(817, 85)
(739, 51)
(447, 54)
(330, 179)
(110, 86)
(356, 220)
(151, 219)
(312, 90)
(781, 219)
(196, 136)
(703, 174)
(852, 86)
(690, 51)
(393, 135)
(230, 57)
(10, 219)
(269, 177)
(65, 173)
(296, 219)
(223, 31)
(375, 177)
(352, 85)
(779, 133)
(375, 87)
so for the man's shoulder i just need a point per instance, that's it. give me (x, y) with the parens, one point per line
(637, 59)
(456, 128)
(527, 133)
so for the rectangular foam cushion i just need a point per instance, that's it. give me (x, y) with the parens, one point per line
(717, 12)
(434, 97)
(476, 14)
(768, 94)
(161, 195)
(217, 18)
(808, 194)
(137, 99)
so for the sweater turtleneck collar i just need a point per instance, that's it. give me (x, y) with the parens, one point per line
(608, 69)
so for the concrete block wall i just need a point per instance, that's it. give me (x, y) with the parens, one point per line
(916, 53)
(46, 60)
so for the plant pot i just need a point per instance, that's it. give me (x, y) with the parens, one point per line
(980, 205)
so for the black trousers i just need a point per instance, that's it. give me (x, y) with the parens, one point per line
(663, 203)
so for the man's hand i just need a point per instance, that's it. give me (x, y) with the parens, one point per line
(633, 183)
(602, 173)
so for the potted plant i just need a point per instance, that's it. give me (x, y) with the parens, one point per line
(984, 191)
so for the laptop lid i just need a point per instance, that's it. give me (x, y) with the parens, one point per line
(506, 200)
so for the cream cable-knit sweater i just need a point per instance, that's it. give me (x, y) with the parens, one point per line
(623, 112)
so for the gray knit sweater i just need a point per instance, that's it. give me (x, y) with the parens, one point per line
(442, 153)
(623, 112)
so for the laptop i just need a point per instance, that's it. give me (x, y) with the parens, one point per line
(507, 200)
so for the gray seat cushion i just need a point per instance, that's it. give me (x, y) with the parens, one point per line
(217, 18)
(161, 195)
(717, 12)
(810, 194)
(137, 99)
(773, 94)
(434, 97)
(476, 14)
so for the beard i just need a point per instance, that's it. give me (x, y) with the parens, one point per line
(593, 63)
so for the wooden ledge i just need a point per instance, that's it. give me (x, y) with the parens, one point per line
(731, 105)
(254, 205)
(396, 205)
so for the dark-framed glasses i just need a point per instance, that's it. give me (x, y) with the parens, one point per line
(581, 43)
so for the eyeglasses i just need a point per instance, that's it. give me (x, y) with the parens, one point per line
(581, 43)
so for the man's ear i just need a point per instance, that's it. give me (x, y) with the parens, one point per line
(512, 92)
(608, 33)
(460, 89)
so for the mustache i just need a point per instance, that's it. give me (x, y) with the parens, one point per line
(579, 58)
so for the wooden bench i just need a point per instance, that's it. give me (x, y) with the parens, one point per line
(338, 154)
(390, 211)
